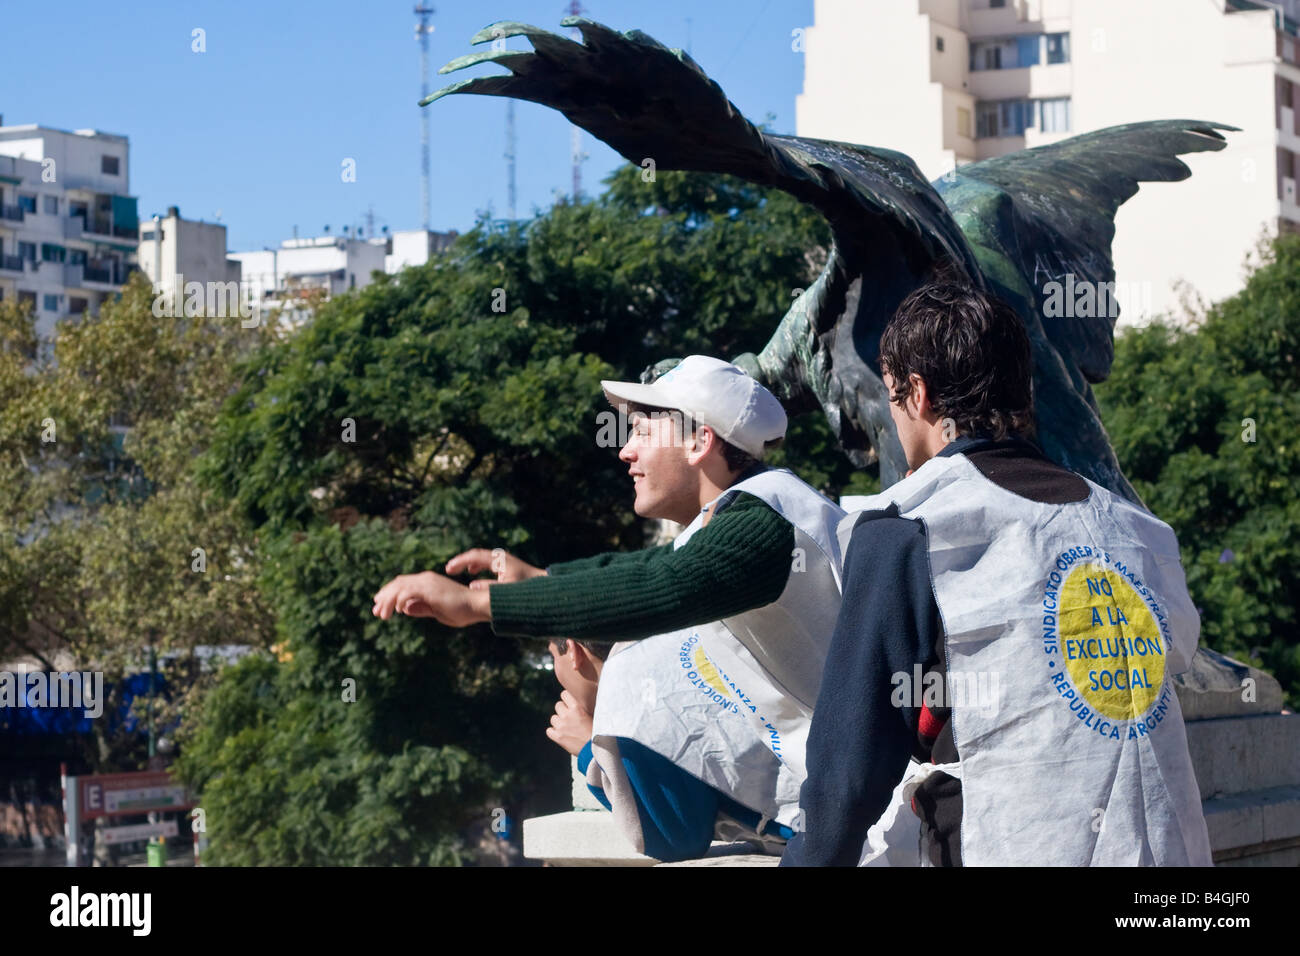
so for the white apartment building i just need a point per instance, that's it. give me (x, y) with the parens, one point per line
(414, 248)
(68, 224)
(330, 264)
(954, 81)
(176, 252)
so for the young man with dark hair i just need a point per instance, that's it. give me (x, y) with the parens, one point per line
(1005, 621)
(738, 610)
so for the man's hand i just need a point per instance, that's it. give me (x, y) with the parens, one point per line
(571, 725)
(429, 594)
(500, 562)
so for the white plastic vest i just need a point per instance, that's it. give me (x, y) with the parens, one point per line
(1063, 624)
(731, 702)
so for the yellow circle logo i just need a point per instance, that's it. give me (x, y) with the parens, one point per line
(1110, 643)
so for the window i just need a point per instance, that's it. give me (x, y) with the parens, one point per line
(52, 253)
(1013, 117)
(147, 236)
(27, 203)
(77, 305)
(1058, 48)
(27, 250)
(1026, 51)
(1017, 116)
(108, 165)
(51, 302)
(938, 44)
(963, 121)
(1055, 115)
(28, 297)
(50, 205)
(997, 4)
(76, 257)
(985, 56)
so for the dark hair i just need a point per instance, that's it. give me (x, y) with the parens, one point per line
(972, 351)
(597, 649)
(737, 459)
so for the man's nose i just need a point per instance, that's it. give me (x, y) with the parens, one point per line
(626, 453)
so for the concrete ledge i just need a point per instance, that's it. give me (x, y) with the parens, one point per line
(730, 859)
(1263, 825)
(1214, 686)
(1244, 754)
(580, 838)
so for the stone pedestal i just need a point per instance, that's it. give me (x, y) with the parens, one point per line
(1246, 752)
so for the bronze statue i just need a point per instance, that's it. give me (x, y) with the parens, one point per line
(1015, 224)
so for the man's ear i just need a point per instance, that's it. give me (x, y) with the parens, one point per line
(919, 398)
(581, 660)
(700, 444)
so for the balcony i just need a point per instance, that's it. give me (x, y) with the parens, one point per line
(96, 227)
(93, 274)
(102, 274)
(11, 213)
(11, 263)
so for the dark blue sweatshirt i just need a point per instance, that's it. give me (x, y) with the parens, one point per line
(859, 743)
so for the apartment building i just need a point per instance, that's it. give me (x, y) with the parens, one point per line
(954, 81)
(330, 264)
(69, 227)
(175, 253)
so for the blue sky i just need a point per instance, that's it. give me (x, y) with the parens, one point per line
(255, 129)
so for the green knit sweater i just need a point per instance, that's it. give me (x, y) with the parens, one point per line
(739, 561)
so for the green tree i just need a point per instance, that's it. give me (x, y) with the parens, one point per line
(1204, 421)
(101, 526)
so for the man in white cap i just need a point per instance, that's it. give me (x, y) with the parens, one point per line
(740, 606)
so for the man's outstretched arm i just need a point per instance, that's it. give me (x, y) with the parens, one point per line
(739, 561)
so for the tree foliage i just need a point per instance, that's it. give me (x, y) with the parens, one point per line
(1203, 420)
(100, 520)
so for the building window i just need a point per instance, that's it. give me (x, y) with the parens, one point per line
(27, 297)
(27, 250)
(997, 4)
(1013, 117)
(108, 165)
(1027, 51)
(77, 305)
(51, 302)
(53, 253)
(1058, 48)
(963, 121)
(1054, 115)
(1003, 118)
(50, 205)
(147, 236)
(938, 44)
(76, 257)
(27, 203)
(1005, 54)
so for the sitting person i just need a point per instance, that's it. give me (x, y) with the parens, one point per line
(666, 812)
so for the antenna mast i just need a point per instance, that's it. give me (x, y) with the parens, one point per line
(575, 140)
(510, 159)
(422, 31)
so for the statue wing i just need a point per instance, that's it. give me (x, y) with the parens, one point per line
(1047, 215)
(890, 227)
(1051, 211)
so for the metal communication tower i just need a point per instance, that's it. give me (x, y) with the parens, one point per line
(575, 139)
(422, 31)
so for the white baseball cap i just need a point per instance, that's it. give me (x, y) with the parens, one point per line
(714, 393)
